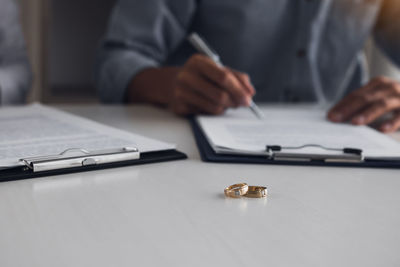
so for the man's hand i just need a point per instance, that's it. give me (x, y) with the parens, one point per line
(203, 87)
(200, 86)
(379, 97)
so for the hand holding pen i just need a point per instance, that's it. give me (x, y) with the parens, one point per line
(204, 87)
(202, 47)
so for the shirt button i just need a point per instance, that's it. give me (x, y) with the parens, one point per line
(301, 53)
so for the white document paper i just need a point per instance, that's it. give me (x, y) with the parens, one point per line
(239, 132)
(36, 130)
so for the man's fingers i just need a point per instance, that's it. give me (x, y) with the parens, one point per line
(245, 80)
(222, 77)
(347, 108)
(375, 110)
(392, 124)
(205, 88)
(359, 100)
(197, 102)
(342, 110)
(235, 88)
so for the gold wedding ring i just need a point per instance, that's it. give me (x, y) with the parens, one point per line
(236, 190)
(256, 192)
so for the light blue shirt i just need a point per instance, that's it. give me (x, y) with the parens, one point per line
(15, 73)
(293, 50)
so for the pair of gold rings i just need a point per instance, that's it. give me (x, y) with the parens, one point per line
(244, 190)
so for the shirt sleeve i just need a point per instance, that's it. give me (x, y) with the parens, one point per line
(387, 30)
(15, 73)
(141, 34)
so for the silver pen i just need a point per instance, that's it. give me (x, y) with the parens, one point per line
(205, 49)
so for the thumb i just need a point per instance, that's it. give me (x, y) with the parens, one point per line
(245, 81)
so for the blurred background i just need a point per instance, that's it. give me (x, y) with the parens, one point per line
(62, 38)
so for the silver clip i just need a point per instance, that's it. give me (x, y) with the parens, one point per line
(80, 158)
(343, 154)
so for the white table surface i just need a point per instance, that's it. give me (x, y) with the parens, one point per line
(175, 214)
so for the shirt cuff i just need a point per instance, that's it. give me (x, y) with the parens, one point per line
(117, 72)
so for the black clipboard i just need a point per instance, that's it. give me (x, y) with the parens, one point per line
(22, 172)
(208, 154)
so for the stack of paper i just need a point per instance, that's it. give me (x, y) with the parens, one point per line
(39, 131)
(239, 132)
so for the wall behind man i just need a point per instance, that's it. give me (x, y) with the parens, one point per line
(63, 35)
(76, 28)
(33, 18)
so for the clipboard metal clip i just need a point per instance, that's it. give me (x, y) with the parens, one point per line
(78, 157)
(346, 154)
